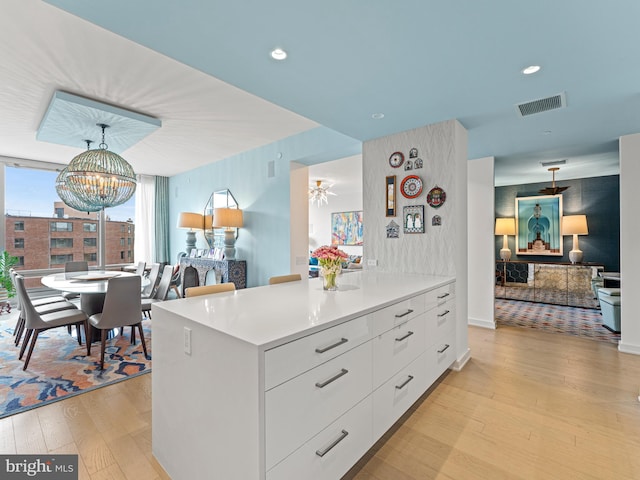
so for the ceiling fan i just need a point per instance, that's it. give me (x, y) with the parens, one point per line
(553, 190)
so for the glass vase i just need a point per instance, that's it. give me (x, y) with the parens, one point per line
(329, 281)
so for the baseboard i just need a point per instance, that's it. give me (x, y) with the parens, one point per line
(628, 348)
(462, 361)
(477, 322)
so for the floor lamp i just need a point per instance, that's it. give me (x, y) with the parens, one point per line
(191, 220)
(575, 225)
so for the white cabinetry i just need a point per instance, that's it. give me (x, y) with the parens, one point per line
(296, 392)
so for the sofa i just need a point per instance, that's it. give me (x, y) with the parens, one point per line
(609, 299)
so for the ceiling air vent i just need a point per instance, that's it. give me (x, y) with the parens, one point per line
(541, 105)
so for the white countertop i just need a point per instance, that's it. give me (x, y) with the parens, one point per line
(275, 314)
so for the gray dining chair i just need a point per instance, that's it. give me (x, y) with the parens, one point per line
(122, 308)
(154, 273)
(161, 292)
(75, 266)
(140, 268)
(37, 322)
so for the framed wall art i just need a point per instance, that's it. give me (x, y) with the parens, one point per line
(346, 228)
(538, 225)
(413, 219)
(391, 195)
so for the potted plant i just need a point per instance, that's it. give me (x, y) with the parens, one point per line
(7, 262)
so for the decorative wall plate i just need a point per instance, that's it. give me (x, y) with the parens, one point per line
(396, 159)
(436, 197)
(411, 186)
(417, 163)
(436, 221)
(408, 165)
(413, 153)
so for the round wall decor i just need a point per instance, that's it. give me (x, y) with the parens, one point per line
(411, 186)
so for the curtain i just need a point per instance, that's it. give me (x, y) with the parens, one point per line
(162, 219)
(144, 250)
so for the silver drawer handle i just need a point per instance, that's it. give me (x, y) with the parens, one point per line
(337, 344)
(403, 384)
(322, 452)
(443, 295)
(404, 314)
(446, 345)
(404, 337)
(443, 313)
(343, 371)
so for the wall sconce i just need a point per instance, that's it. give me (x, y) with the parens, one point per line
(575, 225)
(228, 218)
(504, 227)
(190, 220)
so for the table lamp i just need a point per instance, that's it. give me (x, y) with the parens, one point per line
(575, 225)
(190, 220)
(228, 218)
(504, 227)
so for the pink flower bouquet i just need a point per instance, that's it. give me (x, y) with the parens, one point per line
(330, 259)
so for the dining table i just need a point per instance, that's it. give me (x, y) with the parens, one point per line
(90, 285)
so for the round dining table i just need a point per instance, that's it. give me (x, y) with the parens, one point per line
(91, 286)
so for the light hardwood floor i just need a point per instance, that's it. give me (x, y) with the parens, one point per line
(528, 405)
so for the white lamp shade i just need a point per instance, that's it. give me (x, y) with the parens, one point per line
(505, 226)
(227, 217)
(574, 225)
(190, 220)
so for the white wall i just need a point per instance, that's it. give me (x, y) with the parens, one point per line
(481, 242)
(320, 221)
(629, 235)
(441, 250)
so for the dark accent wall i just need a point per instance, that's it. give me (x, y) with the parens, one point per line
(598, 198)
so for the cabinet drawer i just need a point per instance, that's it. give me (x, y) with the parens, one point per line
(440, 295)
(441, 355)
(396, 348)
(395, 396)
(439, 320)
(396, 314)
(300, 408)
(332, 452)
(287, 361)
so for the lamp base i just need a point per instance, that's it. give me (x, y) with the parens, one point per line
(575, 256)
(191, 241)
(505, 254)
(229, 245)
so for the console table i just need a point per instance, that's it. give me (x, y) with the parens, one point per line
(234, 271)
(548, 282)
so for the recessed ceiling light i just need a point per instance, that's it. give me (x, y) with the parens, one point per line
(531, 69)
(377, 116)
(278, 54)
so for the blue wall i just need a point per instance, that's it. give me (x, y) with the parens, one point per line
(598, 198)
(264, 241)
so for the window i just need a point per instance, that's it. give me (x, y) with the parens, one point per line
(90, 242)
(122, 228)
(61, 227)
(121, 255)
(18, 226)
(129, 254)
(90, 227)
(90, 257)
(61, 259)
(18, 242)
(129, 241)
(122, 242)
(62, 243)
(129, 229)
(59, 212)
(20, 262)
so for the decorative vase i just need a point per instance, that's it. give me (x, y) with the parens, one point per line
(329, 281)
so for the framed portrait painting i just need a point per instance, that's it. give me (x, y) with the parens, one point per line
(538, 225)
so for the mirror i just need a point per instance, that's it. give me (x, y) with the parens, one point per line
(219, 199)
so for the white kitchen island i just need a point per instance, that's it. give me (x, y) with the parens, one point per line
(290, 381)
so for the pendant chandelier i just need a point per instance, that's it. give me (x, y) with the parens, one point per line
(96, 179)
(553, 190)
(319, 194)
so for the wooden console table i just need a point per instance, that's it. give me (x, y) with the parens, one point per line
(548, 282)
(234, 271)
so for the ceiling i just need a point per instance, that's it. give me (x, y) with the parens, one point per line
(203, 68)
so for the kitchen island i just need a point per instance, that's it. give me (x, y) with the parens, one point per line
(291, 381)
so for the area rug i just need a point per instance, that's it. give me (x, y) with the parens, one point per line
(580, 322)
(59, 367)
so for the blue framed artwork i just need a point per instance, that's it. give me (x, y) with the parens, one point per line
(538, 225)
(346, 228)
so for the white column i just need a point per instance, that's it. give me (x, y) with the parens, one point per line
(629, 241)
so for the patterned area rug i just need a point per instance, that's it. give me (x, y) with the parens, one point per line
(59, 367)
(580, 322)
